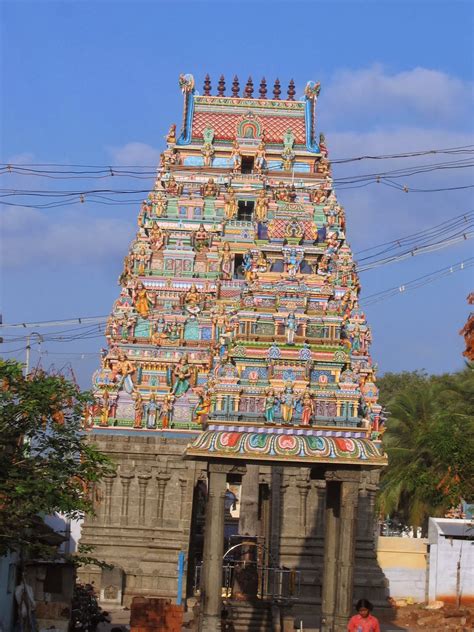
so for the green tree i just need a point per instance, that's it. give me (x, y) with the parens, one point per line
(429, 445)
(46, 463)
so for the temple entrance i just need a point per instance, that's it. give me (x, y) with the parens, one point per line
(247, 164)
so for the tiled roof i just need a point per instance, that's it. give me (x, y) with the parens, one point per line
(225, 126)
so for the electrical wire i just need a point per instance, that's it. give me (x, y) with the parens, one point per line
(418, 282)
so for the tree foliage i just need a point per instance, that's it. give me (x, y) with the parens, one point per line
(46, 463)
(429, 441)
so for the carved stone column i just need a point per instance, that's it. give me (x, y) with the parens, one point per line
(320, 489)
(109, 483)
(346, 554)
(303, 484)
(211, 579)
(183, 486)
(143, 478)
(331, 546)
(126, 479)
(162, 480)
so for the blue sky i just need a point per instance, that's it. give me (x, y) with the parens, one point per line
(96, 83)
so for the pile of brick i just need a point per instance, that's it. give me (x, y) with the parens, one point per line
(155, 615)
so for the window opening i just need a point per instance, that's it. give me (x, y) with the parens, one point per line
(247, 164)
(245, 210)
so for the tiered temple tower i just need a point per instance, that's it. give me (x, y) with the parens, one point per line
(238, 328)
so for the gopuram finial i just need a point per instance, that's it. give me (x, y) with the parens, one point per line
(276, 89)
(249, 88)
(291, 90)
(263, 88)
(221, 86)
(207, 86)
(235, 87)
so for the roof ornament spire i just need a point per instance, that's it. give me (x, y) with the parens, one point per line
(221, 86)
(235, 87)
(276, 89)
(291, 90)
(249, 89)
(207, 86)
(263, 88)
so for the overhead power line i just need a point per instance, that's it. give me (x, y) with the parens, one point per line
(418, 282)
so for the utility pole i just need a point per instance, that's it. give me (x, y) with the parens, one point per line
(28, 349)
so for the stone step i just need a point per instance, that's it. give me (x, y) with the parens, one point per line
(249, 617)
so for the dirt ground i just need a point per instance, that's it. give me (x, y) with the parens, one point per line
(418, 617)
(410, 618)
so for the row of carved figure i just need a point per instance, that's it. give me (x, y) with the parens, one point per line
(157, 202)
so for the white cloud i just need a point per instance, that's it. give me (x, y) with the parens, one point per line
(32, 237)
(135, 154)
(374, 96)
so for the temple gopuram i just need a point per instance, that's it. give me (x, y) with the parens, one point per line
(237, 392)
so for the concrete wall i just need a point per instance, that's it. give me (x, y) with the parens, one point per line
(444, 574)
(404, 563)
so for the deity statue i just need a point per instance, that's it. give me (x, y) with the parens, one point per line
(356, 339)
(207, 149)
(143, 259)
(192, 300)
(142, 300)
(318, 196)
(236, 156)
(172, 187)
(259, 161)
(226, 262)
(323, 150)
(308, 408)
(157, 237)
(159, 332)
(171, 136)
(323, 167)
(203, 407)
(151, 409)
(166, 410)
(262, 262)
(210, 189)
(230, 205)
(288, 140)
(202, 238)
(269, 406)
(159, 202)
(281, 193)
(105, 409)
(143, 215)
(293, 259)
(127, 270)
(341, 217)
(174, 331)
(125, 369)
(291, 326)
(181, 375)
(288, 403)
(138, 407)
(288, 154)
(261, 207)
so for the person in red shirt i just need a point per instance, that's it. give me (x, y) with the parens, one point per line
(363, 621)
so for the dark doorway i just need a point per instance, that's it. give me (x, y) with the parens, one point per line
(245, 211)
(238, 267)
(247, 164)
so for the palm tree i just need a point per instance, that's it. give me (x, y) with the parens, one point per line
(430, 448)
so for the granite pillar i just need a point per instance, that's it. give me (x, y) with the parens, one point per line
(211, 580)
(346, 553)
(331, 547)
